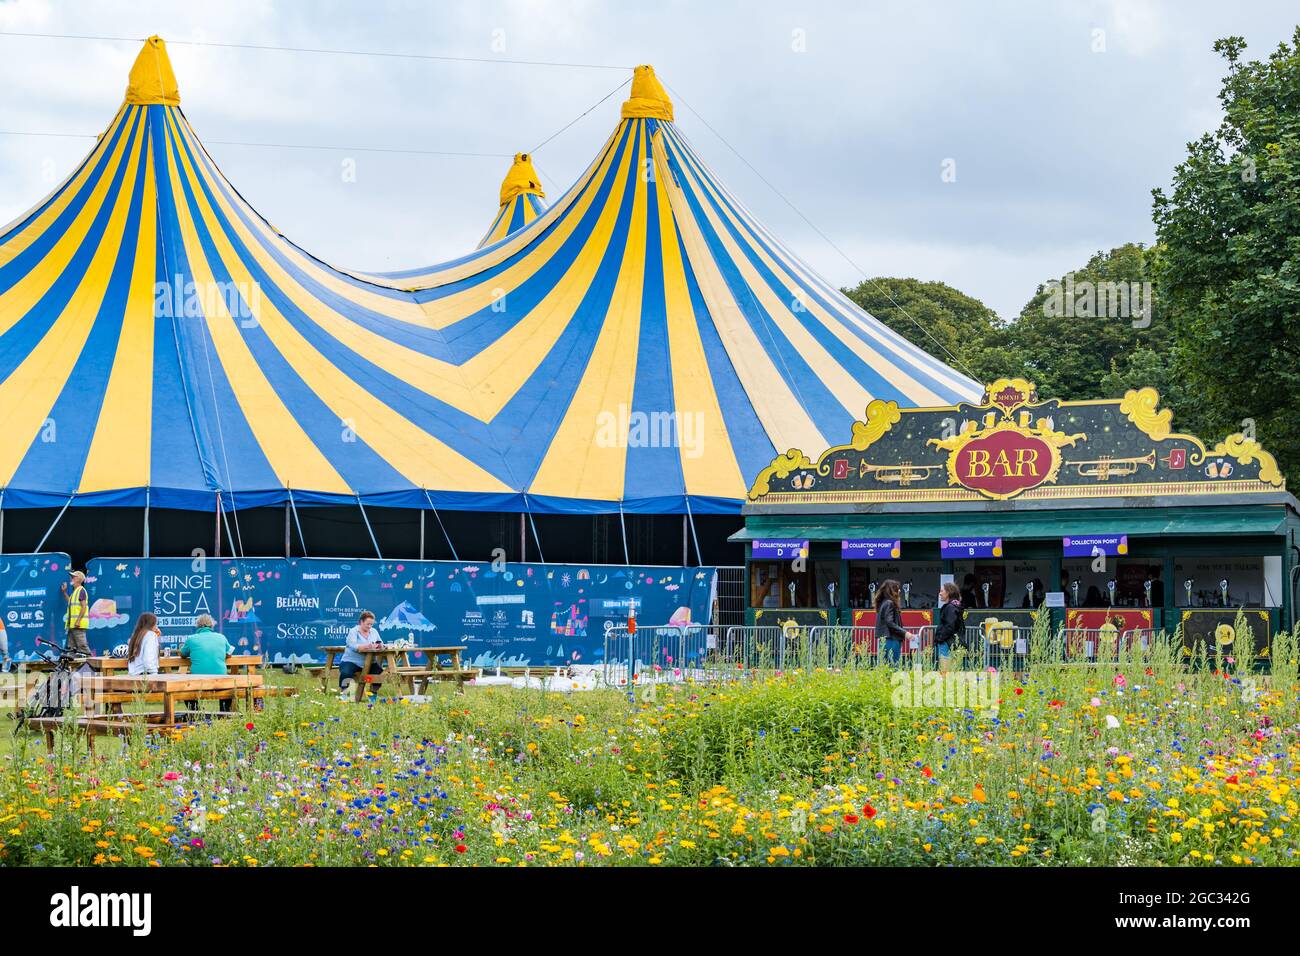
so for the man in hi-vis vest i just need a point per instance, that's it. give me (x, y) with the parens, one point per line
(78, 613)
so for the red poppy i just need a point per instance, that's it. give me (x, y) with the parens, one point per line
(869, 810)
(1232, 779)
(927, 772)
(248, 726)
(460, 848)
(369, 679)
(1020, 690)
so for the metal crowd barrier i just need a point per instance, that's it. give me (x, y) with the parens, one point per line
(662, 653)
(1004, 646)
(1090, 644)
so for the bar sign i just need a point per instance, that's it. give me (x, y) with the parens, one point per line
(1085, 546)
(867, 549)
(779, 549)
(970, 547)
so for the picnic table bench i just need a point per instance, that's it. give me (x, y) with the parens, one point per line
(399, 666)
(169, 689)
(174, 663)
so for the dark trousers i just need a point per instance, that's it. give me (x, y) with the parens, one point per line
(349, 671)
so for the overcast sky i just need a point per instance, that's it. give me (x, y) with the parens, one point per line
(1058, 118)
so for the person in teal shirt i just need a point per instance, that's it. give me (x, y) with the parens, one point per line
(207, 650)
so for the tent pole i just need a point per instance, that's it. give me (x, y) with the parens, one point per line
(2, 521)
(421, 534)
(373, 539)
(146, 522)
(56, 521)
(541, 556)
(695, 538)
(287, 544)
(523, 537)
(684, 556)
(623, 525)
(298, 524)
(236, 541)
(442, 526)
(216, 547)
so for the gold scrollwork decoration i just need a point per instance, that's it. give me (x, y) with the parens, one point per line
(1142, 406)
(1246, 450)
(881, 416)
(781, 467)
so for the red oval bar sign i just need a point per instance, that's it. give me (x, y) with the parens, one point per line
(1004, 463)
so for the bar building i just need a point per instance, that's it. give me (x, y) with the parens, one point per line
(1092, 512)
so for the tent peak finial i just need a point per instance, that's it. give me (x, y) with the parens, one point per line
(152, 81)
(521, 178)
(648, 97)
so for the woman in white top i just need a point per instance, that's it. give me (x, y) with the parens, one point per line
(142, 651)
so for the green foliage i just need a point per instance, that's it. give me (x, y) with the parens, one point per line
(1228, 272)
(934, 316)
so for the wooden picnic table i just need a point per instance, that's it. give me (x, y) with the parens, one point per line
(174, 663)
(171, 688)
(399, 665)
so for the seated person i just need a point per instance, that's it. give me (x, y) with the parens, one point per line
(207, 651)
(361, 638)
(142, 650)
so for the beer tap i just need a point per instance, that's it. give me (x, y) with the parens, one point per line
(1110, 587)
(985, 586)
(1030, 589)
(792, 590)
(907, 594)
(830, 588)
(1187, 587)
(1074, 588)
(1223, 587)
(1146, 588)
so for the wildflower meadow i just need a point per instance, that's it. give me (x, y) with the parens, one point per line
(1151, 760)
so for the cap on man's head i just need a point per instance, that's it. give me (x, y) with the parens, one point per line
(77, 574)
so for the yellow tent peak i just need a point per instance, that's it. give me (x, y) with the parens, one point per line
(522, 178)
(152, 81)
(648, 97)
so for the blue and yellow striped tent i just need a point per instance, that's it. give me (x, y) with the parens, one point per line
(521, 201)
(643, 345)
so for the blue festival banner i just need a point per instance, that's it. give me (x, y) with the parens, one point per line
(511, 614)
(31, 604)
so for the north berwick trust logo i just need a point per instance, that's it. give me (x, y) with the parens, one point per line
(75, 909)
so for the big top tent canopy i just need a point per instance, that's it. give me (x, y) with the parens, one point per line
(643, 345)
(521, 201)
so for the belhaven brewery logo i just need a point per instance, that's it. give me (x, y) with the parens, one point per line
(297, 601)
(1001, 459)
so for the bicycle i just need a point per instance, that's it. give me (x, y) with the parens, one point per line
(57, 691)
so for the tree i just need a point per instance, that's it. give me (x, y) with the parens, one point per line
(1094, 332)
(950, 325)
(1228, 269)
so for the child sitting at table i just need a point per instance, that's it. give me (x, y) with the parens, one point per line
(361, 638)
(142, 650)
(207, 650)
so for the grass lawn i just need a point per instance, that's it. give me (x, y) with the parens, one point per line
(1131, 762)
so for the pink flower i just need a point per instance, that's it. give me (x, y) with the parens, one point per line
(171, 775)
(1121, 680)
